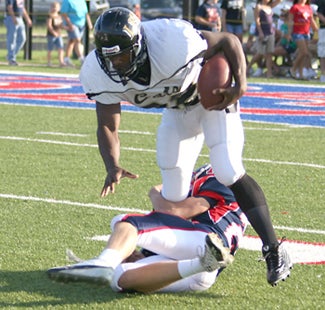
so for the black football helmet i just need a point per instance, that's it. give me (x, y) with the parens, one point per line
(118, 31)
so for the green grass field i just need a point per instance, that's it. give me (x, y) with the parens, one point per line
(51, 177)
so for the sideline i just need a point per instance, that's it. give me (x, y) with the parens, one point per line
(264, 102)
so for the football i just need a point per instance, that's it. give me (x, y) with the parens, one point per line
(215, 74)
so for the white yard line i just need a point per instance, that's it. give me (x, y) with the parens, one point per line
(153, 151)
(132, 132)
(266, 129)
(122, 209)
(71, 203)
(64, 134)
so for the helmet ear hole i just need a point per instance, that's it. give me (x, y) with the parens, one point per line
(115, 31)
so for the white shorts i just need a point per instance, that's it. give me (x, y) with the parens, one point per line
(266, 46)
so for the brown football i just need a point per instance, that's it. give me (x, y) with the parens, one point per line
(215, 74)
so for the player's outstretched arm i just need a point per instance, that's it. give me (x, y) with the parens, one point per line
(108, 119)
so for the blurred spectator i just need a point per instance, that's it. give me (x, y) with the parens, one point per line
(137, 10)
(321, 38)
(207, 16)
(233, 17)
(301, 20)
(54, 25)
(75, 15)
(265, 31)
(250, 45)
(312, 58)
(16, 29)
(250, 48)
(285, 47)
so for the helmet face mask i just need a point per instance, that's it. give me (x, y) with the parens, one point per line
(119, 64)
(118, 36)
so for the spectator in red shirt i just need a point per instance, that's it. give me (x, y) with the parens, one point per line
(300, 21)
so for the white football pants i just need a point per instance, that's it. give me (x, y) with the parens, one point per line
(180, 139)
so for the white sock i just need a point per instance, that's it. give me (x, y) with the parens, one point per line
(113, 257)
(189, 267)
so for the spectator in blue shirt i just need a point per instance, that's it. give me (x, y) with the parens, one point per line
(75, 15)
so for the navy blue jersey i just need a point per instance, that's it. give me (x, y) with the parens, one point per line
(224, 216)
(224, 213)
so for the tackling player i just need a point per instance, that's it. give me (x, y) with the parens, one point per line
(157, 64)
(217, 225)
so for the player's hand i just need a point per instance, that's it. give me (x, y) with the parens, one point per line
(113, 177)
(230, 95)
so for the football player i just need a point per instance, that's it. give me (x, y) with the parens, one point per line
(191, 253)
(157, 64)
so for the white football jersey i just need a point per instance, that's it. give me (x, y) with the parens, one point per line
(175, 51)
